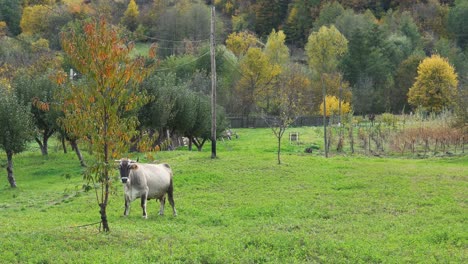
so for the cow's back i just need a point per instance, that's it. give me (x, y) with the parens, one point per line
(158, 177)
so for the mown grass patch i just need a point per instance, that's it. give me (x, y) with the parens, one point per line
(244, 208)
(140, 49)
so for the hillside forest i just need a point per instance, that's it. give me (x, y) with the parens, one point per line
(364, 57)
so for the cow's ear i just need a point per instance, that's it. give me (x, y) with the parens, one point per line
(133, 166)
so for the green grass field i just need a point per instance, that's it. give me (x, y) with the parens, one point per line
(244, 208)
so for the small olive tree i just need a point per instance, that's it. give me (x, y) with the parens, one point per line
(38, 90)
(15, 128)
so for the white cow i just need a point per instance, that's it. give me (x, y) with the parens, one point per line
(146, 181)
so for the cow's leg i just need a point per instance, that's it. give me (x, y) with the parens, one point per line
(143, 204)
(127, 205)
(162, 201)
(170, 194)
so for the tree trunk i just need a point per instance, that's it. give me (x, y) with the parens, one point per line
(105, 179)
(44, 144)
(103, 205)
(74, 146)
(213, 148)
(190, 144)
(279, 150)
(41, 146)
(199, 144)
(64, 146)
(170, 146)
(11, 177)
(105, 199)
(105, 223)
(463, 144)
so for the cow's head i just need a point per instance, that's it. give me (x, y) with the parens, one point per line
(125, 165)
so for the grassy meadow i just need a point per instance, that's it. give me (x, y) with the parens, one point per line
(244, 208)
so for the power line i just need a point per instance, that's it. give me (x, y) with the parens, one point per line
(177, 41)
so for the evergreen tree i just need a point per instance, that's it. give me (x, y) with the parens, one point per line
(457, 22)
(10, 12)
(328, 15)
(270, 14)
(369, 70)
(404, 79)
(300, 19)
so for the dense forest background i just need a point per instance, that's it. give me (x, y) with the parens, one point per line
(387, 41)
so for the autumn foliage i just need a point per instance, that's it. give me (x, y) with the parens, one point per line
(435, 86)
(333, 106)
(101, 108)
(240, 42)
(98, 53)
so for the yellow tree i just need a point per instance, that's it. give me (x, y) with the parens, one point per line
(324, 49)
(257, 75)
(333, 107)
(435, 86)
(102, 110)
(277, 53)
(275, 48)
(335, 85)
(130, 18)
(34, 19)
(239, 43)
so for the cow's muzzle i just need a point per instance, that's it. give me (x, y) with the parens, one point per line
(124, 179)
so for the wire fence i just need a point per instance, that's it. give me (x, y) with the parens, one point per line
(260, 122)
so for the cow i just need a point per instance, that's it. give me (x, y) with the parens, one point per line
(146, 181)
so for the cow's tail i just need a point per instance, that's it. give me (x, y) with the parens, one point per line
(170, 190)
(170, 194)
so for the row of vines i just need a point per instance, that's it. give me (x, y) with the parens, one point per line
(387, 134)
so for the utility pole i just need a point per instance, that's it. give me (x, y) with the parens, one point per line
(340, 118)
(213, 84)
